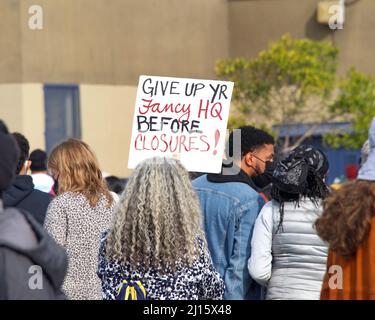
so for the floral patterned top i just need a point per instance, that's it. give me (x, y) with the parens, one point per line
(198, 282)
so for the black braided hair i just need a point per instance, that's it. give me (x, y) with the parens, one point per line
(281, 197)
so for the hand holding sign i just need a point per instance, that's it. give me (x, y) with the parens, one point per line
(183, 118)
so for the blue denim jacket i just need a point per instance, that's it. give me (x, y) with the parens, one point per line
(230, 210)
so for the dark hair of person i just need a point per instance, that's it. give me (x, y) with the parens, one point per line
(251, 139)
(346, 219)
(38, 160)
(3, 127)
(115, 184)
(24, 147)
(195, 175)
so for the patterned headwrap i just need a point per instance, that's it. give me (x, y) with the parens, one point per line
(292, 174)
(300, 174)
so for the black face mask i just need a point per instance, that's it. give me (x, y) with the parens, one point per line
(262, 180)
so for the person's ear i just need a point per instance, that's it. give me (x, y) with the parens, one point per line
(27, 166)
(248, 159)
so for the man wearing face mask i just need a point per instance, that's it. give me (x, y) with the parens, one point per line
(230, 205)
(262, 180)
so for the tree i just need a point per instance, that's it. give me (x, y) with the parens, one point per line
(291, 82)
(356, 102)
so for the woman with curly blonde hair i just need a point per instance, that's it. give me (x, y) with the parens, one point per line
(78, 215)
(348, 225)
(157, 238)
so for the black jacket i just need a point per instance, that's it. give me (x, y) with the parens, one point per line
(22, 195)
(32, 265)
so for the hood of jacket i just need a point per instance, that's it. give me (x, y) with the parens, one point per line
(20, 232)
(22, 187)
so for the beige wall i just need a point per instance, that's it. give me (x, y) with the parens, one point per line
(33, 115)
(22, 108)
(253, 23)
(107, 117)
(11, 109)
(114, 41)
(357, 39)
(10, 42)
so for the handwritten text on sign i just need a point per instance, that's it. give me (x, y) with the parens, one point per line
(183, 118)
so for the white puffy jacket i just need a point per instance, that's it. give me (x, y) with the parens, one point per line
(290, 264)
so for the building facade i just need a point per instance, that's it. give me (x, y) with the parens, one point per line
(75, 72)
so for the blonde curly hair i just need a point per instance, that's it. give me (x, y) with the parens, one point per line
(158, 219)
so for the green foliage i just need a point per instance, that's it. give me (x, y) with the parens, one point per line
(356, 101)
(294, 81)
(236, 122)
(304, 66)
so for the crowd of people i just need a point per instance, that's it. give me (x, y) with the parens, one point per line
(274, 230)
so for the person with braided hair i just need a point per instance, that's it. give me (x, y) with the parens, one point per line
(288, 257)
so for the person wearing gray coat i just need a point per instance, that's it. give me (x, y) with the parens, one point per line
(32, 265)
(288, 258)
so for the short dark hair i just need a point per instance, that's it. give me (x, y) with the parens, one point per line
(3, 127)
(38, 160)
(24, 147)
(251, 139)
(115, 184)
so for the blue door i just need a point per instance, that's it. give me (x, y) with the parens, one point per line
(62, 114)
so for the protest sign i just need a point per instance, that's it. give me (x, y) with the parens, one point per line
(181, 118)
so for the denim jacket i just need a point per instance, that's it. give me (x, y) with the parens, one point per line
(230, 207)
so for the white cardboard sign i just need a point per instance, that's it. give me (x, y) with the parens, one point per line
(181, 118)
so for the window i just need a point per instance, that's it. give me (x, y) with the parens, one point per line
(62, 114)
